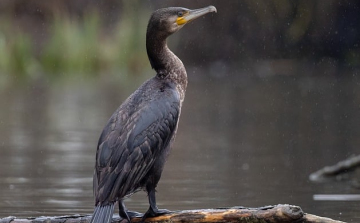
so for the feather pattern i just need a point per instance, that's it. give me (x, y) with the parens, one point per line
(103, 214)
(136, 137)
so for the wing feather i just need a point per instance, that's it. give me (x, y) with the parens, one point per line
(128, 151)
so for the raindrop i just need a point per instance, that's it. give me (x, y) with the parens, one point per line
(245, 166)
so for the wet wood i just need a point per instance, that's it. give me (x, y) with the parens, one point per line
(269, 214)
(344, 166)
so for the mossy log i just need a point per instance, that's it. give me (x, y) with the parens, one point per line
(269, 214)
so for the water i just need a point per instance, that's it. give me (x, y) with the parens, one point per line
(247, 141)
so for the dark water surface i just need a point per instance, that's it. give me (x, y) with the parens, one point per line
(241, 142)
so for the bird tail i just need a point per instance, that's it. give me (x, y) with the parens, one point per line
(103, 214)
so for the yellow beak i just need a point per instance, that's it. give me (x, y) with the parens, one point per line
(194, 14)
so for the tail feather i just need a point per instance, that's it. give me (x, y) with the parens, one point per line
(103, 214)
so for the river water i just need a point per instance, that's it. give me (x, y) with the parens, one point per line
(242, 141)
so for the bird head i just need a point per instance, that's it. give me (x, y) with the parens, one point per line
(169, 20)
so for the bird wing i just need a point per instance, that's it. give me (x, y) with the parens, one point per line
(128, 150)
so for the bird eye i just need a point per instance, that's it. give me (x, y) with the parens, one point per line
(180, 14)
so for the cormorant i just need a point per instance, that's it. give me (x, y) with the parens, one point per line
(136, 141)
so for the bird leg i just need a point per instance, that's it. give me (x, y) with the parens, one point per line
(126, 214)
(153, 210)
(123, 211)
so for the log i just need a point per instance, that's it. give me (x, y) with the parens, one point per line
(341, 167)
(269, 214)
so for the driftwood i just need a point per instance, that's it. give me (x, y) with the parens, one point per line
(268, 214)
(344, 166)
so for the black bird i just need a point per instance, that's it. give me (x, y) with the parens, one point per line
(136, 141)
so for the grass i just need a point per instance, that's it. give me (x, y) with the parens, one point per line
(75, 47)
(16, 54)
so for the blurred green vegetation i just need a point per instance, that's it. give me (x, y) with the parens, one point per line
(16, 53)
(74, 46)
(52, 39)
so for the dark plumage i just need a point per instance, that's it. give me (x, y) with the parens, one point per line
(135, 143)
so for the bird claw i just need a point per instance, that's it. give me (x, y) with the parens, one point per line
(154, 213)
(162, 212)
(134, 214)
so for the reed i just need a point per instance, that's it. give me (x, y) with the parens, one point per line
(75, 47)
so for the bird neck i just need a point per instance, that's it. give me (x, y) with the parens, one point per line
(166, 64)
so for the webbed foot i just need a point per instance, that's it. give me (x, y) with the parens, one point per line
(154, 213)
(134, 214)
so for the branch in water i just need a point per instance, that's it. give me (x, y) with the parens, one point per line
(344, 166)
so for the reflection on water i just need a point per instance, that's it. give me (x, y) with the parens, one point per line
(245, 141)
